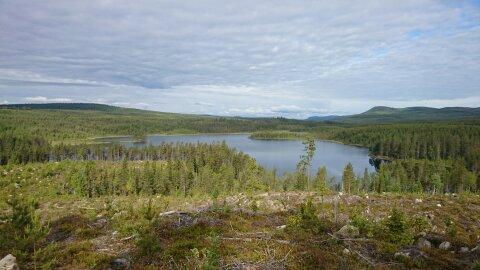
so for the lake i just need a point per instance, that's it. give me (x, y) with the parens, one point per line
(280, 154)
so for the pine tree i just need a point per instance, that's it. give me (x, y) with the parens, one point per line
(321, 181)
(348, 178)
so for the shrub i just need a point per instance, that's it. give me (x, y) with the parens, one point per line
(148, 244)
(398, 231)
(306, 219)
(365, 226)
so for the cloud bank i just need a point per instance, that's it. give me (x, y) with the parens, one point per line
(288, 58)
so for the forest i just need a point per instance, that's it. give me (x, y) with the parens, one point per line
(427, 157)
(180, 205)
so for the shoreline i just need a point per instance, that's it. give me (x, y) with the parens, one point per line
(93, 139)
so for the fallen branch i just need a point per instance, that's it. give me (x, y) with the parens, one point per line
(167, 213)
(248, 239)
(127, 238)
(365, 258)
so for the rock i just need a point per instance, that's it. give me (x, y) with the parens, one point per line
(120, 263)
(424, 243)
(445, 245)
(401, 254)
(464, 249)
(9, 262)
(353, 199)
(346, 251)
(418, 201)
(439, 205)
(281, 227)
(348, 231)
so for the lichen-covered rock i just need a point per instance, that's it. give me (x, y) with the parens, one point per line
(424, 243)
(348, 231)
(402, 254)
(445, 245)
(9, 262)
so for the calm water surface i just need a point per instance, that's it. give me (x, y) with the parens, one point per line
(280, 154)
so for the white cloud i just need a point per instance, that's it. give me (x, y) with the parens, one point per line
(40, 99)
(292, 58)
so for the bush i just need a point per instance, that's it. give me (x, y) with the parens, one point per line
(148, 244)
(23, 230)
(398, 231)
(365, 226)
(306, 219)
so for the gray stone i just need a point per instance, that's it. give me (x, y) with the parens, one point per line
(402, 254)
(445, 245)
(464, 249)
(424, 243)
(9, 262)
(348, 231)
(120, 263)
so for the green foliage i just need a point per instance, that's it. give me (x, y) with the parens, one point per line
(365, 226)
(451, 227)
(304, 165)
(398, 231)
(277, 135)
(306, 220)
(320, 182)
(348, 179)
(147, 244)
(476, 265)
(23, 230)
(62, 123)
(206, 258)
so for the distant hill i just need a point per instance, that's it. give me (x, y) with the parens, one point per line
(322, 118)
(382, 114)
(62, 106)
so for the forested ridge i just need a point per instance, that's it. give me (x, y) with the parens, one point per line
(429, 157)
(60, 125)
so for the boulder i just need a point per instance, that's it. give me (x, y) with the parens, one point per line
(120, 263)
(348, 231)
(424, 243)
(464, 249)
(346, 251)
(445, 245)
(418, 200)
(9, 262)
(281, 227)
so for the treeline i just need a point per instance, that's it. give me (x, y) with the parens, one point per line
(59, 125)
(277, 135)
(22, 150)
(180, 169)
(17, 149)
(419, 141)
(413, 175)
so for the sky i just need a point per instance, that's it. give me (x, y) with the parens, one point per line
(242, 58)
